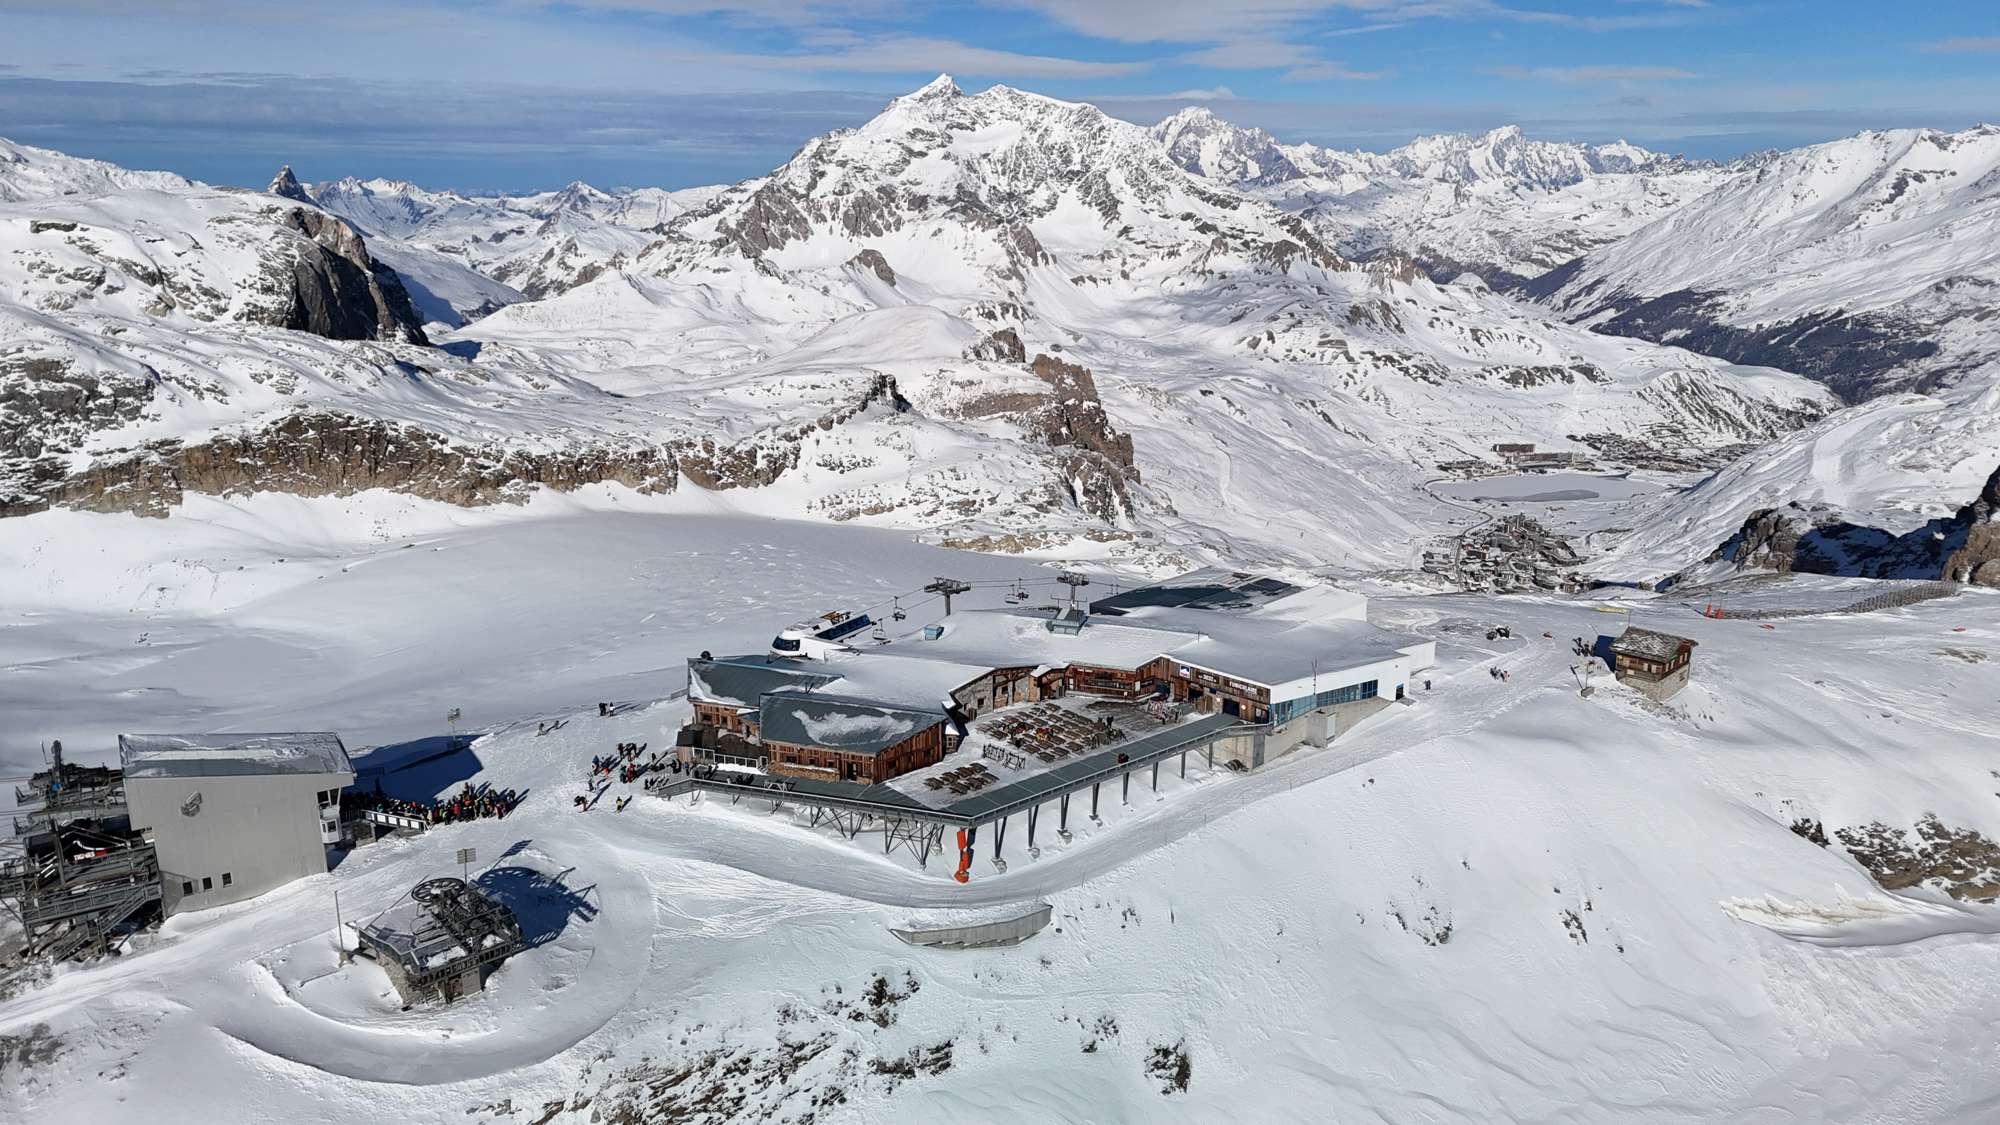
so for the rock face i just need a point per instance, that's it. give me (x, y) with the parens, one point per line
(1098, 464)
(872, 260)
(287, 185)
(1001, 345)
(1976, 559)
(336, 290)
(326, 453)
(1814, 540)
(1857, 355)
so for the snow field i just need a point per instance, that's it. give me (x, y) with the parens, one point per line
(1502, 903)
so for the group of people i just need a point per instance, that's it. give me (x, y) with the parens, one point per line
(469, 803)
(625, 763)
(628, 764)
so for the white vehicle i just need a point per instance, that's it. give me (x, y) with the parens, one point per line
(820, 637)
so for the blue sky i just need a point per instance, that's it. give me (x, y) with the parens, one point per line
(522, 94)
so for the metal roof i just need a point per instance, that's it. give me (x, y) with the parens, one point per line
(740, 681)
(227, 755)
(1208, 588)
(853, 726)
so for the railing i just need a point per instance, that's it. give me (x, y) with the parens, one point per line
(1887, 599)
(394, 820)
(55, 908)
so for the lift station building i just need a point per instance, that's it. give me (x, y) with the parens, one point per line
(232, 816)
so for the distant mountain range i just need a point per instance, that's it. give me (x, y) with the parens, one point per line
(1012, 321)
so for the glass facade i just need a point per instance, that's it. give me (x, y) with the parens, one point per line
(1353, 693)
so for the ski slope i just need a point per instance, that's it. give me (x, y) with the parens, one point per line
(1502, 903)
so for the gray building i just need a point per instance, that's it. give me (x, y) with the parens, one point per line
(234, 815)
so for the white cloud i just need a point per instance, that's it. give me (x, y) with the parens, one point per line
(917, 55)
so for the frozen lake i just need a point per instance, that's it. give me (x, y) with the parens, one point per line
(1548, 488)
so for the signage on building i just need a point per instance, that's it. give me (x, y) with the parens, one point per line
(192, 806)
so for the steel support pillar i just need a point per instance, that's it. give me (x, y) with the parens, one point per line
(1125, 787)
(999, 837)
(1183, 765)
(1032, 810)
(1156, 777)
(1093, 800)
(1062, 823)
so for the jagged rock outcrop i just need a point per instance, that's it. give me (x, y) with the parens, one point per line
(1977, 557)
(1094, 459)
(872, 260)
(1815, 540)
(287, 185)
(48, 405)
(334, 288)
(326, 453)
(1000, 346)
(329, 454)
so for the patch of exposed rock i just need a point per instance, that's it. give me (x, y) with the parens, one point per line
(326, 453)
(1815, 540)
(1095, 459)
(47, 405)
(1958, 861)
(999, 346)
(329, 286)
(1858, 356)
(1976, 557)
(287, 185)
(872, 260)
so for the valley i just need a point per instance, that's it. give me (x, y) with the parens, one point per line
(1519, 621)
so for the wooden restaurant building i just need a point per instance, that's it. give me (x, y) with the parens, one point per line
(1301, 662)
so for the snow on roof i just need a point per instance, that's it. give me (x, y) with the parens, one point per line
(1253, 651)
(1650, 645)
(216, 755)
(1013, 638)
(739, 681)
(854, 725)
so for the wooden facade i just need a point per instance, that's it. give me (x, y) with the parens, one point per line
(1117, 683)
(1211, 691)
(924, 748)
(1654, 665)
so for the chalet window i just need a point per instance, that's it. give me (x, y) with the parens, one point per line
(207, 884)
(226, 880)
(187, 886)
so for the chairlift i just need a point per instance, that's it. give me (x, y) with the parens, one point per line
(896, 609)
(1018, 594)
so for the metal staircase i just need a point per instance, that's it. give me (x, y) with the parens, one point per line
(75, 886)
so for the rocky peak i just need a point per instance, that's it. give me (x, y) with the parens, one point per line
(330, 286)
(1200, 142)
(938, 89)
(287, 185)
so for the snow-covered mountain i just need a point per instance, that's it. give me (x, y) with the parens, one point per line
(1495, 204)
(534, 245)
(954, 237)
(122, 292)
(1871, 264)
(1010, 319)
